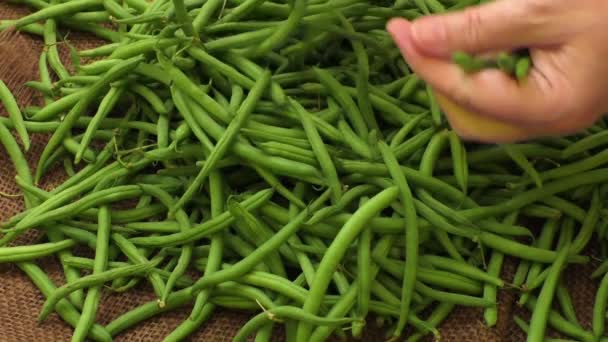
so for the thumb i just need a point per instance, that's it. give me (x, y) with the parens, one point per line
(494, 26)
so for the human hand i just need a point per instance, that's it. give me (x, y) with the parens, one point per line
(566, 90)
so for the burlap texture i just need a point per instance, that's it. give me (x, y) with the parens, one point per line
(20, 301)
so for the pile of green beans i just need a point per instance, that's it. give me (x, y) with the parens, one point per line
(284, 151)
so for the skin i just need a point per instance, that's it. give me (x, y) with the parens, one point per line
(560, 96)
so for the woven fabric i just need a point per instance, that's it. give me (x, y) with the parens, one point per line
(20, 300)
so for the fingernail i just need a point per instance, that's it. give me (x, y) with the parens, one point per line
(430, 36)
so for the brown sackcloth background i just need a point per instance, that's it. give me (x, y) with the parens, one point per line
(20, 300)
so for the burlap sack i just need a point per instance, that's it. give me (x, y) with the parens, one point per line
(20, 300)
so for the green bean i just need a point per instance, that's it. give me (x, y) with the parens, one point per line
(203, 229)
(254, 71)
(545, 241)
(411, 231)
(289, 132)
(56, 108)
(462, 268)
(57, 10)
(363, 282)
(347, 300)
(469, 63)
(147, 310)
(225, 69)
(101, 260)
(320, 152)
(291, 152)
(565, 303)
(453, 298)
(71, 273)
(91, 17)
(433, 218)
(522, 251)
(50, 40)
(489, 292)
(205, 13)
(344, 99)
(116, 10)
(277, 138)
(17, 158)
(297, 11)
(251, 228)
(436, 317)
(506, 62)
(113, 74)
(63, 308)
(242, 247)
(349, 196)
(585, 144)
(223, 144)
(560, 324)
(566, 207)
(31, 252)
(498, 154)
(184, 110)
(100, 197)
(92, 280)
(35, 29)
(599, 308)
(415, 143)
(79, 235)
(136, 257)
(525, 327)
(522, 67)
(239, 40)
(155, 102)
(444, 279)
(336, 250)
(87, 264)
(46, 88)
(239, 11)
(186, 85)
(362, 78)
(520, 200)
(285, 312)
(520, 159)
(590, 222)
(150, 17)
(579, 166)
(45, 76)
(355, 142)
(187, 326)
(106, 105)
(600, 270)
(273, 181)
(252, 259)
(182, 17)
(461, 169)
(184, 223)
(277, 284)
(14, 114)
(543, 304)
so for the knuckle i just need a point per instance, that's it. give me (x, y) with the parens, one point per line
(473, 23)
(540, 7)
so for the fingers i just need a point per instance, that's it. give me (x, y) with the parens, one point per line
(490, 92)
(498, 25)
